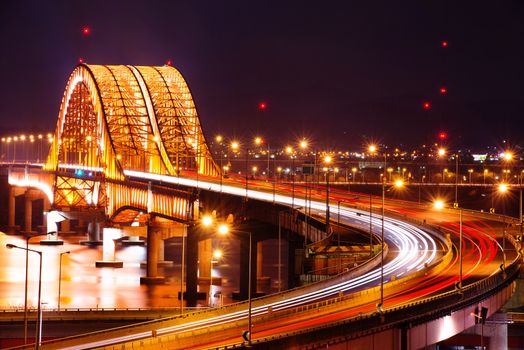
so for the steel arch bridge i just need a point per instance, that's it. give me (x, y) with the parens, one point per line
(120, 117)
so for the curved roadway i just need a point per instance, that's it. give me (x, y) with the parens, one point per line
(412, 252)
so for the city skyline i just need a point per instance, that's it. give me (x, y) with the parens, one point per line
(338, 75)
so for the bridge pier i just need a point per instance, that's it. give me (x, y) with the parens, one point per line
(108, 249)
(93, 233)
(244, 267)
(191, 293)
(153, 246)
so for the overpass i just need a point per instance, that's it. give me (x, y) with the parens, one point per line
(128, 139)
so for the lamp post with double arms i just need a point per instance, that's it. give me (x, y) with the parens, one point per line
(38, 336)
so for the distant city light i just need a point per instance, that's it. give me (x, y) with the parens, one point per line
(443, 90)
(442, 135)
(444, 43)
(262, 106)
(426, 105)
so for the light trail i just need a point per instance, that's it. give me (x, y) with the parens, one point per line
(416, 250)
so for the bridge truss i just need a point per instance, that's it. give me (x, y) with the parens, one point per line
(116, 118)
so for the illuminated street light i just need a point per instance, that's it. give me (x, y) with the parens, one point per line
(439, 204)
(38, 337)
(60, 276)
(327, 161)
(207, 220)
(441, 152)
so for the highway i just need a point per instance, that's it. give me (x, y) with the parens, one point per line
(412, 252)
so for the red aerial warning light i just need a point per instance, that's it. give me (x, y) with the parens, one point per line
(262, 106)
(81, 60)
(169, 63)
(444, 43)
(86, 30)
(426, 105)
(443, 90)
(442, 135)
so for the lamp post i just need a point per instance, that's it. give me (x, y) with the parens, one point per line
(38, 336)
(439, 204)
(291, 153)
(217, 254)
(60, 277)
(224, 229)
(27, 238)
(327, 162)
(503, 189)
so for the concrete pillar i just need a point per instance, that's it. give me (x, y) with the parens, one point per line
(205, 254)
(259, 260)
(108, 249)
(65, 226)
(52, 217)
(94, 229)
(47, 208)
(160, 252)
(191, 254)
(11, 209)
(153, 241)
(244, 267)
(28, 211)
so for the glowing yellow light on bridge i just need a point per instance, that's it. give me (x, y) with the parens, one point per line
(235, 145)
(40, 136)
(399, 183)
(155, 138)
(3, 139)
(49, 136)
(88, 138)
(225, 167)
(372, 148)
(22, 137)
(335, 170)
(218, 138)
(255, 169)
(118, 156)
(289, 149)
(279, 169)
(507, 155)
(328, 159)
(223, 229)
(441, 152)
(439, 204)
(390, 170)
(354, 170)
(15, 138)
(503, 188)
(303, 144)
(258, 140)
(217, 254)
(470, 171)
(207, 220)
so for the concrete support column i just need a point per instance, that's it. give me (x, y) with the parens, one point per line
(153, 244)
(65, 226)
(94, 229)
(28, 211)
(191, 254)
(259, 260)
(108, 249)
(244, 267)
(495, 335)
(11, 209)
(47, 208)
(291, 265)
(205, 255)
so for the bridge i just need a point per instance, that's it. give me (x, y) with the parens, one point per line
(129, 148)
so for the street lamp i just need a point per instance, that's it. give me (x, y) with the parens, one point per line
(217, 254)
(327, 162)
(38, 336)
(60, 276)
(439, 205)
(224, 229)
(503, 189)
(291, 152)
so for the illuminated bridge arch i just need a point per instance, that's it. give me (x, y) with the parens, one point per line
(117, 118)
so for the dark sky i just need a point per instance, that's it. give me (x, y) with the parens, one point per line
(335, 71)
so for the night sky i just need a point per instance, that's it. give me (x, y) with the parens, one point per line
(337, 72)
